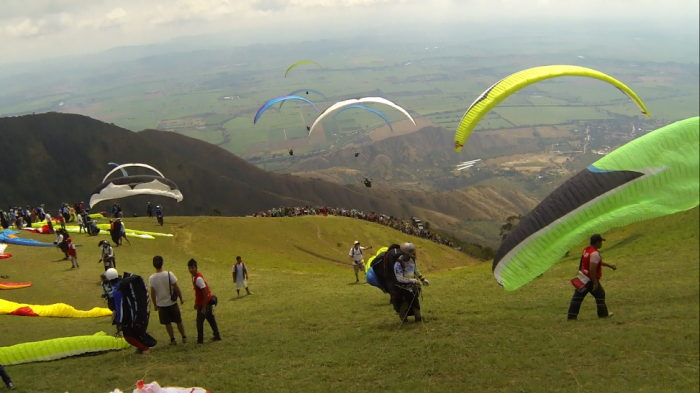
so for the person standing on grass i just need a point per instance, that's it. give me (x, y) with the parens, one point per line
(203, 303)
(356, 258)
(108, 257)
(164, 294)
(240, 276)
(72, 254)
(6, 378)
(590, 271)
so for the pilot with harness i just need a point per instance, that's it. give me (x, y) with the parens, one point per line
(407, 289)
(159, 215)
(107, 255)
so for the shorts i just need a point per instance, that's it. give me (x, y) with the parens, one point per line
(241, 285)
(170, 314)
(358, 267)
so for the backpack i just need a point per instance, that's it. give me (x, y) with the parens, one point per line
(135, 302)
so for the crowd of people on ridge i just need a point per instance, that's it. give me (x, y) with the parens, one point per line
(399, 224)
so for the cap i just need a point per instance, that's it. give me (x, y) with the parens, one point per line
(357, 242)
(597, 238)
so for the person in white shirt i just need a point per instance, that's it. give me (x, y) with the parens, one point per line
(240, 276)
(164, 295)
(357, 258)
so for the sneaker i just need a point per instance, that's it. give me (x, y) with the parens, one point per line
(11, 386)
(184, 340)
(610, 314)
(173, 342)
(217, 338)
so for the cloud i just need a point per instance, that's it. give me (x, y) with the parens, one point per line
(36, 28)
(113, 18)
(28, 28)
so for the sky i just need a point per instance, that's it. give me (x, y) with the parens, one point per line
(39, 29)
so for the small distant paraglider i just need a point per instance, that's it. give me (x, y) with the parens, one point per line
(273, 101)
(299, 63)
(467, 164)
(367, 182)
(291, 152)
(355, 101)
(357, 154)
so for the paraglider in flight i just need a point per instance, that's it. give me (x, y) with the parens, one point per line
(122, 187)
(278, 99)
(511, 84)
(357, 154)
(368, 182)
(299, 63)
(355, 101)
(652, 176)
(365, 108)
(291, 152)
(123, 170)
(295, 92)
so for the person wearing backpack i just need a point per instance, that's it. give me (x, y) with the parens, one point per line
(356, 258)
(164, 294)
(204, 303)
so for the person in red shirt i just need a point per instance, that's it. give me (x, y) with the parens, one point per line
(72, 255)
(591, 262)
(202, 303)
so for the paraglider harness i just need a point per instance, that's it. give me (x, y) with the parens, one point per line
(367, 182)
(63, 245)
(135, 309)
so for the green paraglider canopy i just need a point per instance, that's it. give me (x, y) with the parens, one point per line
(652, 176)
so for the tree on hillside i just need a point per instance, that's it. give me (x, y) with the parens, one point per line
(510, 224)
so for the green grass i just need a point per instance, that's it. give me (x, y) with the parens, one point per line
(308, 327)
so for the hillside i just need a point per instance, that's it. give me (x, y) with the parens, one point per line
(68, 155)
(426, 157)
(308, 327)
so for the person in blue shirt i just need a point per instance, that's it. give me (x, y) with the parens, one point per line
(159, 215)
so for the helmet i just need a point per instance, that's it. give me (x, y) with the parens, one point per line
(409, 249)
(103, 243)
(111, 274)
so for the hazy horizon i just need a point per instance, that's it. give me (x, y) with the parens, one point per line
(47, 29)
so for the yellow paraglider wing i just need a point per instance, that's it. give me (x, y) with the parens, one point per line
(510, 84)
(60, 310)
(299, 63)
(371, 259)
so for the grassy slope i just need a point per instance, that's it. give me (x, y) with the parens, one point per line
(308, 327)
